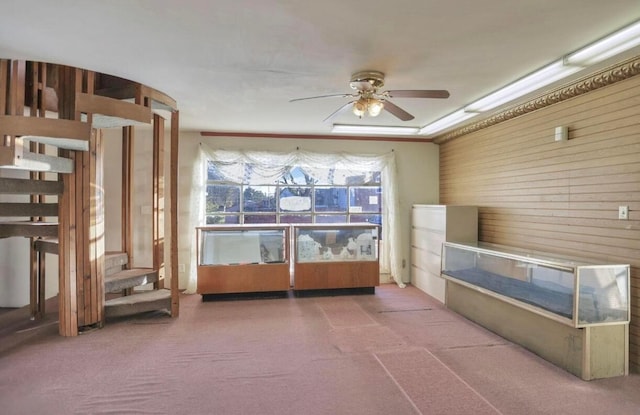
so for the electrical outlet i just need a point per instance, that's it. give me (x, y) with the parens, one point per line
(180, 267)
(623, 212)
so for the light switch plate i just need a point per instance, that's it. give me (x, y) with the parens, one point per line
(623, 212)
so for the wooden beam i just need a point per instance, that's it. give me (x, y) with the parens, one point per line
(160, 97)
(120, 92)
(96, 104)
(173, 178)
(315, 137)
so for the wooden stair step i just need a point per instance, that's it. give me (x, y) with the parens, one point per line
(46, 245)
(30, 187)
(61, 133)
(39, 162)
(129, 278)
(114, 261)
(28, 229)
(28, 209)
(138, 303)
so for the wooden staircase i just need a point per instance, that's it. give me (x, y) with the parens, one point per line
(51, 118)
(118, 278)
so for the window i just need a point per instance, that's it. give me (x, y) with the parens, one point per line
(318, 195)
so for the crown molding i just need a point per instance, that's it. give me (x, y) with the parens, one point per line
(355, 137)
(605, 77)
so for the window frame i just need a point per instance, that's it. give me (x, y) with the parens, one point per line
(281, 184)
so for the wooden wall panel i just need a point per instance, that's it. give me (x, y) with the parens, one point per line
(563, 197)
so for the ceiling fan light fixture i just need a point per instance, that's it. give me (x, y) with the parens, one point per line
(374, 107)
(359, 107)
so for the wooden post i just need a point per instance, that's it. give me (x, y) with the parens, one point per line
(128, 138)
(37, 259)
(157, 202)
(80, 215)
(175, 294)
(96, 227)
(68, 308)
(4, 85)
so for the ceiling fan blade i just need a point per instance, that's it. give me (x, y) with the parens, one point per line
(418, 93)
(340, 110)
(324, 96)
(397, 111)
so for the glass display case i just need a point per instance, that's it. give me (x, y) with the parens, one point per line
(243, 258)
(331, 255)
(576, 293)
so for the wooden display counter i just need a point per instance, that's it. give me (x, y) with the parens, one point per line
(243, 259)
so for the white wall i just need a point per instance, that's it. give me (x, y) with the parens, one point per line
(141, 200)
(14, 258)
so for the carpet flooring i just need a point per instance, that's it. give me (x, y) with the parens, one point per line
(395, 352)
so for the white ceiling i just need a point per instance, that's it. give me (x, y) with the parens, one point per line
(233, 65)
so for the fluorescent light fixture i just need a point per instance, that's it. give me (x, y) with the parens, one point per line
(529, 83)
(447, 121)
(596, 52)
(373, 129)
(607, 47)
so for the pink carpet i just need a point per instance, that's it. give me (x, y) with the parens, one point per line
(396, 352)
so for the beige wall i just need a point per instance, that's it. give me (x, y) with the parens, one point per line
(559, 197)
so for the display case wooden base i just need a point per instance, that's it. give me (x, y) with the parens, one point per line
(591, 352)
(244, 278)
(335, 256)
(237, 259)
(332, 275)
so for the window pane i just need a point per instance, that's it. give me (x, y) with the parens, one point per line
(331, 218)
(360, 218)
(260, 199)
(259, 218)
(295, 199)
(223, 219)
(365, 199)
(213, 173)
(296, 175)
(357, 179)
(296, 219)
(331, 199)
(222, 198)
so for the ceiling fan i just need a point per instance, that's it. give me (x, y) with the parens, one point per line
(369, 100)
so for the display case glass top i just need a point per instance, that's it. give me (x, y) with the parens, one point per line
(243, 244)
(336, 242)
(576, 292)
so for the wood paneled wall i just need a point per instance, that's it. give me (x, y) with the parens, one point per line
(562, 197)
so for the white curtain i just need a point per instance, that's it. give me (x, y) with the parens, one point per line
(270, 166)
